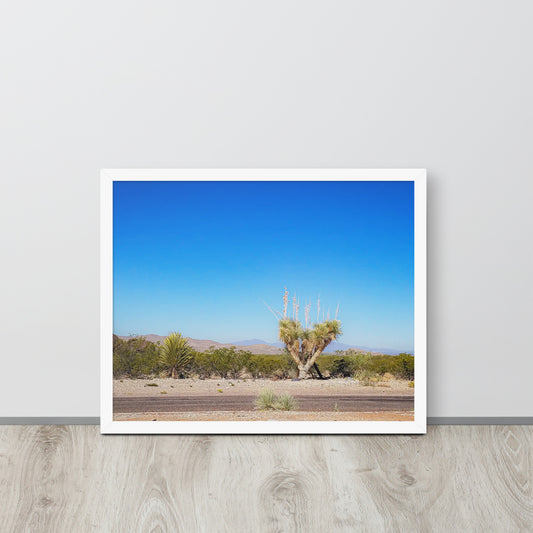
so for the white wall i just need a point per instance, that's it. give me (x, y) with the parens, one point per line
(442, 85)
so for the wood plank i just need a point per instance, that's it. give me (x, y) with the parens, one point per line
(456, 478)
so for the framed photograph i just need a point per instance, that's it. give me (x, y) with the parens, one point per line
(263, 301)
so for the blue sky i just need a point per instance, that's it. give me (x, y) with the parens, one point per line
(201, 257)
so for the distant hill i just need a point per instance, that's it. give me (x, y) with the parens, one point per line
(330, 349)
(378, 351)
(203, 345)
(259, 346)
(251, 342)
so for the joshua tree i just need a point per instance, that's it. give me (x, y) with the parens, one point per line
(175, 354)
(305, 344)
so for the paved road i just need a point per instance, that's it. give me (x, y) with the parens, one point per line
(180, 404)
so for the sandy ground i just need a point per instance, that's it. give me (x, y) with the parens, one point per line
(241, 416)
(198, 387)
(207, 391)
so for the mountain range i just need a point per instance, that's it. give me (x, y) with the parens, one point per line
(330, 349)
(202, 345)
(259, 346)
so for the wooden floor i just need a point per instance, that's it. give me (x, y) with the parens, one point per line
(456, 478)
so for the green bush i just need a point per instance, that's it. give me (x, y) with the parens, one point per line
(135, 357)
(367, 377)
(382, 364)
(351, 363)
(360, 361)
(402, 366)
(325, 363)
(341, 368)
(269, 366)
(200, 366)
(406, 366)
(263, 366)
(223, 362)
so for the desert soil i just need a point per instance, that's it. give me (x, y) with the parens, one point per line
(242, 416)
(226, 399)
(209, 387)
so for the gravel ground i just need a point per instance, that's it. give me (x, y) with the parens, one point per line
(242, 416)
(198, 387)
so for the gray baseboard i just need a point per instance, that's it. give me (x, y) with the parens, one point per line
(50, 420)
(480, 420)
(432, 420)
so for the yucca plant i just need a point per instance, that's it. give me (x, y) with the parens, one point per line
(175, 354)
(266, 400)
(305, 344)
(286, 402)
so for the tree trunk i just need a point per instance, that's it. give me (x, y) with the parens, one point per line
(315, 366)
(174, 373)
(294, 350)
(302, 371)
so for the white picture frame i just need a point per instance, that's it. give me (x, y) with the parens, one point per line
(110, 426)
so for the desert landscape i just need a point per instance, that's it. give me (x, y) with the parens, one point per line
(220, 314)
(176, 378)
(235, 399)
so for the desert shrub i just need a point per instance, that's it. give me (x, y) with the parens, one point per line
(340, 368)
(237, 361)
(135, 357)
(263, 366)
(266, 400)
(270, 366)
(405, 366)
(344, 365)
(285, 402)
(287, 368)
(381, 364)
(325, 362)
(119, 368)
(213, 364)
(203, 364)
(411, 384)
(401, 366)
(253, 368)
(285, 373)
(223, 362)
(229, 362)
(200, 365)
(359, 362)
(366, 377)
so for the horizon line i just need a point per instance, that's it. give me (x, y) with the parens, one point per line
(350, 345)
